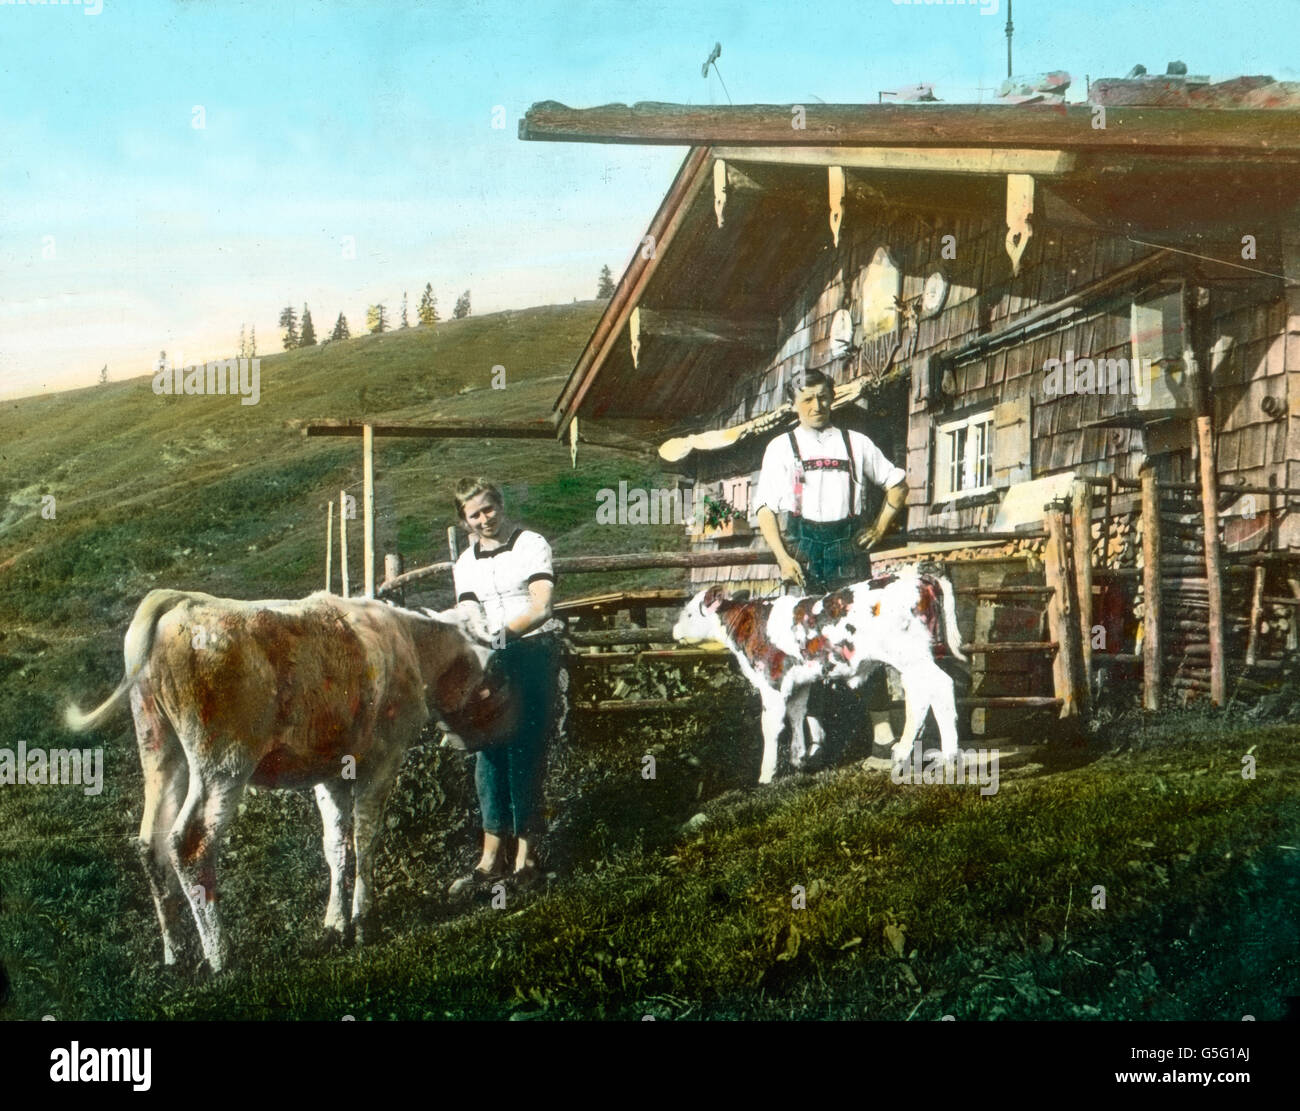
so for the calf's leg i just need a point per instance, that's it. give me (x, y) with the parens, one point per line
(162, 760)
(194, 842)
(369, 795)
(796, 712)
(917, 702)
(773, 720)
(334, 800)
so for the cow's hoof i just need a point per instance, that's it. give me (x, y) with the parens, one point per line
(366, 929)
(332, 939)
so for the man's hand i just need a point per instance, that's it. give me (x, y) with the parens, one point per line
(866, 539)
(791, 571)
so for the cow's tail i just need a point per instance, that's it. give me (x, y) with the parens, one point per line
(951, 633)
(139, 642)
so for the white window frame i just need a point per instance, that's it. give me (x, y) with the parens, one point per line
(977, 427)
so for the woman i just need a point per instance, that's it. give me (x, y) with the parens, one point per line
(506, 575)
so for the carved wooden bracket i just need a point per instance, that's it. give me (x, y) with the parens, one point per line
(1020, 215)
(835, 178)
(634, 333)
(719, 188)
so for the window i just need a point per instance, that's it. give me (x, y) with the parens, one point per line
(964, 456)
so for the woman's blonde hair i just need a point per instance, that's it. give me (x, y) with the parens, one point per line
(467, 489)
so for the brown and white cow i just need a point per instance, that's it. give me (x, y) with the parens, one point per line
(785, 645)
(324, 691)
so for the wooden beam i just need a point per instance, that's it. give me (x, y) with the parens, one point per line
(953, 160)
(1081, 534)
(1209, 508)
(996, 126)
(1133, 274)
(689, 326)
(634, 561)
(1062, 624)
(368, 509)
(1151, 589)
(436, 429)
(343, 539)
(1256, 604)
(329, 545)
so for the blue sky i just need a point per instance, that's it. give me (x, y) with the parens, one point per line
(124, 229)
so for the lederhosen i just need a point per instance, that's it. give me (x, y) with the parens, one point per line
(825, 548)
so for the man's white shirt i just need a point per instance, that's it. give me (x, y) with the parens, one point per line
(499, 579)
(827, 495)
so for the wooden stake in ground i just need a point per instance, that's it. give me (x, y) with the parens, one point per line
(1062, 619)
(1213, 573)
(343, 539)
(329, 545)
(1151, 592)
(1081, 528)
(368, 509)
(1256, 604)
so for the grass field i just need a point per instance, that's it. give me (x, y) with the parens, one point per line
(673, 896)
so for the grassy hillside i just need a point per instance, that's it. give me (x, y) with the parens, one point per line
(921, 901)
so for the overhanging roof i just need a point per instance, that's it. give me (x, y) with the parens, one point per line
(1189, 130)
(1157, 173)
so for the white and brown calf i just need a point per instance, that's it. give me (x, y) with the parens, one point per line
(325, 691)
(785, 645)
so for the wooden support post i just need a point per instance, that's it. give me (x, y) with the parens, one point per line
(329, 545)
(1151, 590)
(1081, 527)
(368, 508)
(343, 539)
(393, 568)
(1293, 633)
(1210, 513)
(1105, 525)
(1256, 604)
(451, 543)
(1062, 622)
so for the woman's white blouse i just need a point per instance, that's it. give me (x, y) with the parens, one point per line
(499, 579)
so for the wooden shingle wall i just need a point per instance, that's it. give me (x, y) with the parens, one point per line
(1248, 362)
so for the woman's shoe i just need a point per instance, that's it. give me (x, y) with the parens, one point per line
(528, 876)
(477, 880)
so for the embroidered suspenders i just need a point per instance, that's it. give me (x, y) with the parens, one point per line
(802, 464)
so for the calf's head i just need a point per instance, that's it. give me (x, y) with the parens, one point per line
(698, 620)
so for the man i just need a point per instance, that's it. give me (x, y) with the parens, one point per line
(816, 473)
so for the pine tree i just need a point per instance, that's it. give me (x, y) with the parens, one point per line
(103, 375)
(377, 318)
(308, 337)
(243, 343)
(428, 310)
(252, 342)
(289, 327)
(340, 329)
(462, 306)
(405, 323)
(606, 286)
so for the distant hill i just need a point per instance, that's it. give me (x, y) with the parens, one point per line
(202, 492)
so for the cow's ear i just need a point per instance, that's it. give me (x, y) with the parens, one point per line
(741, 596)
(713, 598)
